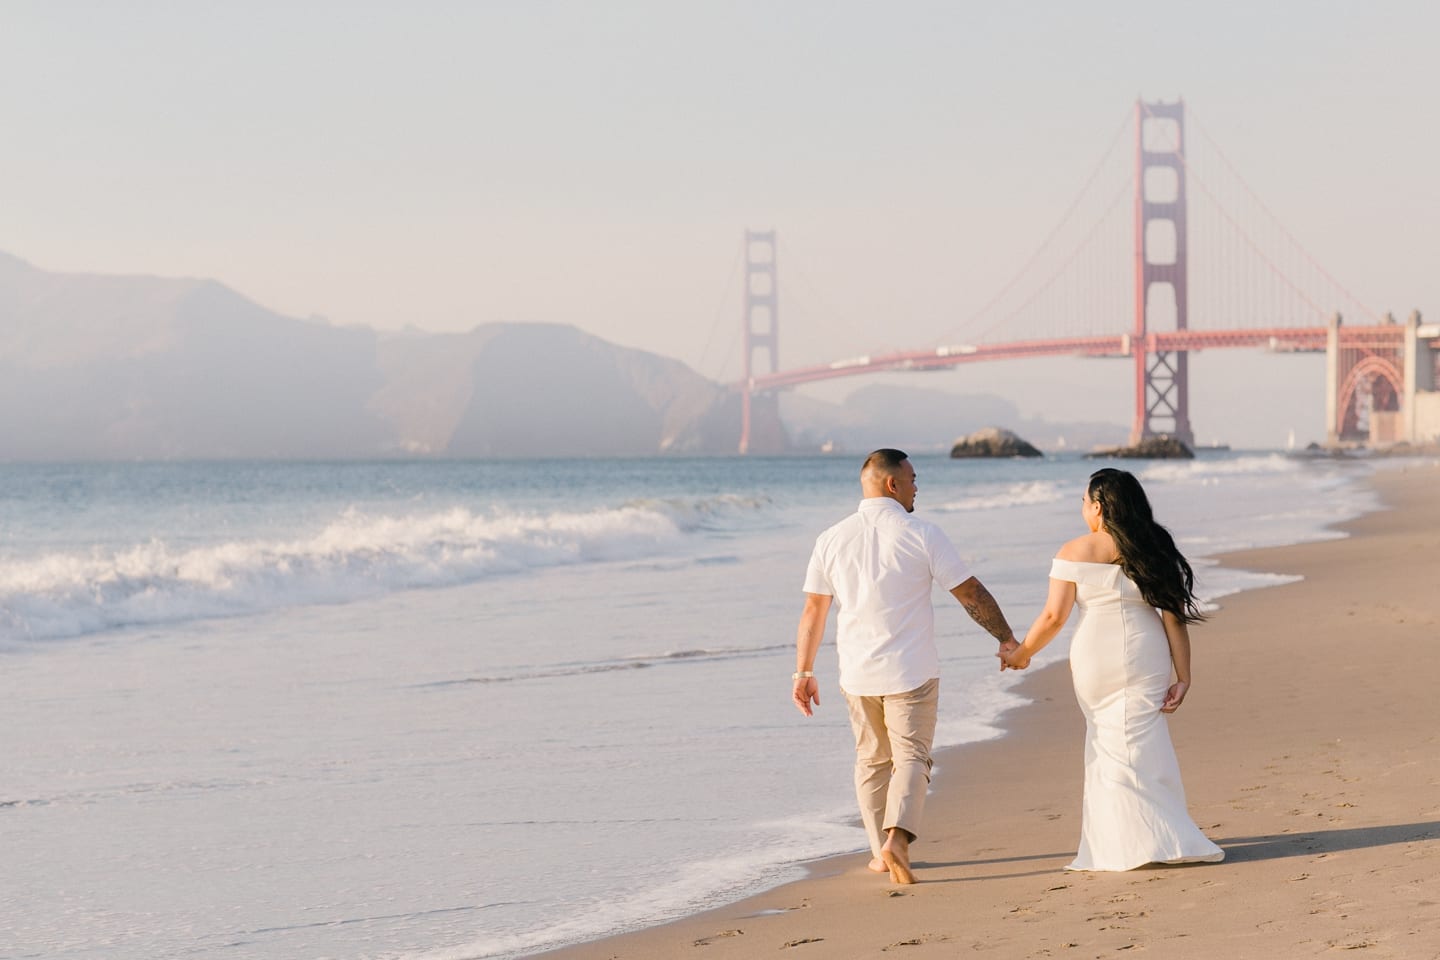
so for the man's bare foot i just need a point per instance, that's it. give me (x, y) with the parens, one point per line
(896, 853)
(878, 865)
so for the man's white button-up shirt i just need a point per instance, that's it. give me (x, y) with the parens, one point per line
(878, 564)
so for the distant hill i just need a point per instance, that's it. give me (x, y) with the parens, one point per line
(146, 367)
(528, 390)
(100, 367)
(140, 367)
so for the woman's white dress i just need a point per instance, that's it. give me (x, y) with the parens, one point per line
(1134, 808)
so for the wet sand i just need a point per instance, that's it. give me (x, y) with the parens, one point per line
(1310, 748)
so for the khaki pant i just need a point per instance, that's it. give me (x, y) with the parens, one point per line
(893, 734)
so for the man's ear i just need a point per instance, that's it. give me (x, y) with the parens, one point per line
(891, 484)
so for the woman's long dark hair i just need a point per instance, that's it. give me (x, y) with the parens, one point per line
(1148, 554)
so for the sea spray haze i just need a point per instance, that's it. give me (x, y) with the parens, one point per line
(429, 709)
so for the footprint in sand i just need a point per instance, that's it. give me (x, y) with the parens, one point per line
(916, 941)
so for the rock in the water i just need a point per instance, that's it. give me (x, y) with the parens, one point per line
(993, 442)
(1151, 448)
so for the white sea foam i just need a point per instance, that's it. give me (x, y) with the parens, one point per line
(355, 556)
(582, 668)
(690, 887)
(982, 698)
(722, 511)
(1211, 471)
(1009, 495)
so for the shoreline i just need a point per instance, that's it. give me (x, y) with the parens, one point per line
(1274, 772)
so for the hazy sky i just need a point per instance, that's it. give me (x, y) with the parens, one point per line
(443, 165)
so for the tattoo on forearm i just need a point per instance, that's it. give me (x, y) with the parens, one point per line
(986, 612)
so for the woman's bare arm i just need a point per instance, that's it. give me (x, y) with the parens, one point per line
(1057, 610)
(1178, 635)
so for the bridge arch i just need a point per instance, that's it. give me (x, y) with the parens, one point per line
(1375, 378)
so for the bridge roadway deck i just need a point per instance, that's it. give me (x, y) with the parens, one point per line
(1279, 339)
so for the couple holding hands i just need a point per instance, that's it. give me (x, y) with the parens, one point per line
(1135, 594)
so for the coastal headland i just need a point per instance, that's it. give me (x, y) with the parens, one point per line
(1310, 748)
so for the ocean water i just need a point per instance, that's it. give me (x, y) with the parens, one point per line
(476, 710)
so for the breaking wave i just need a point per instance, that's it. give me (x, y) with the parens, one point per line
(354, 557)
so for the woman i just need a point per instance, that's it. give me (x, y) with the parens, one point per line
(1136, 595)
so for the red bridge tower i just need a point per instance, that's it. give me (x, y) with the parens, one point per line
(761, 327)
(1162, 389)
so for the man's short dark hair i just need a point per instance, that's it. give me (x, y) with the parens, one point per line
(887, 460)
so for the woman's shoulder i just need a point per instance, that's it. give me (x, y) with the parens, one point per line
(1095, 547)
(1089, 559)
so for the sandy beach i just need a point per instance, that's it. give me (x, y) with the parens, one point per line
(1310, 749)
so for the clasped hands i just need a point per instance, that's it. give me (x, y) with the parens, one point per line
(1013, 656)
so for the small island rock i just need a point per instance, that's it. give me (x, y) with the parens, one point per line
(993, 442)
(1163, 447)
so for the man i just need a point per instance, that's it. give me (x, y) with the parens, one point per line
(879, 563)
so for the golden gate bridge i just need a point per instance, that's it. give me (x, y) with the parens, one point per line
(1168, 253)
